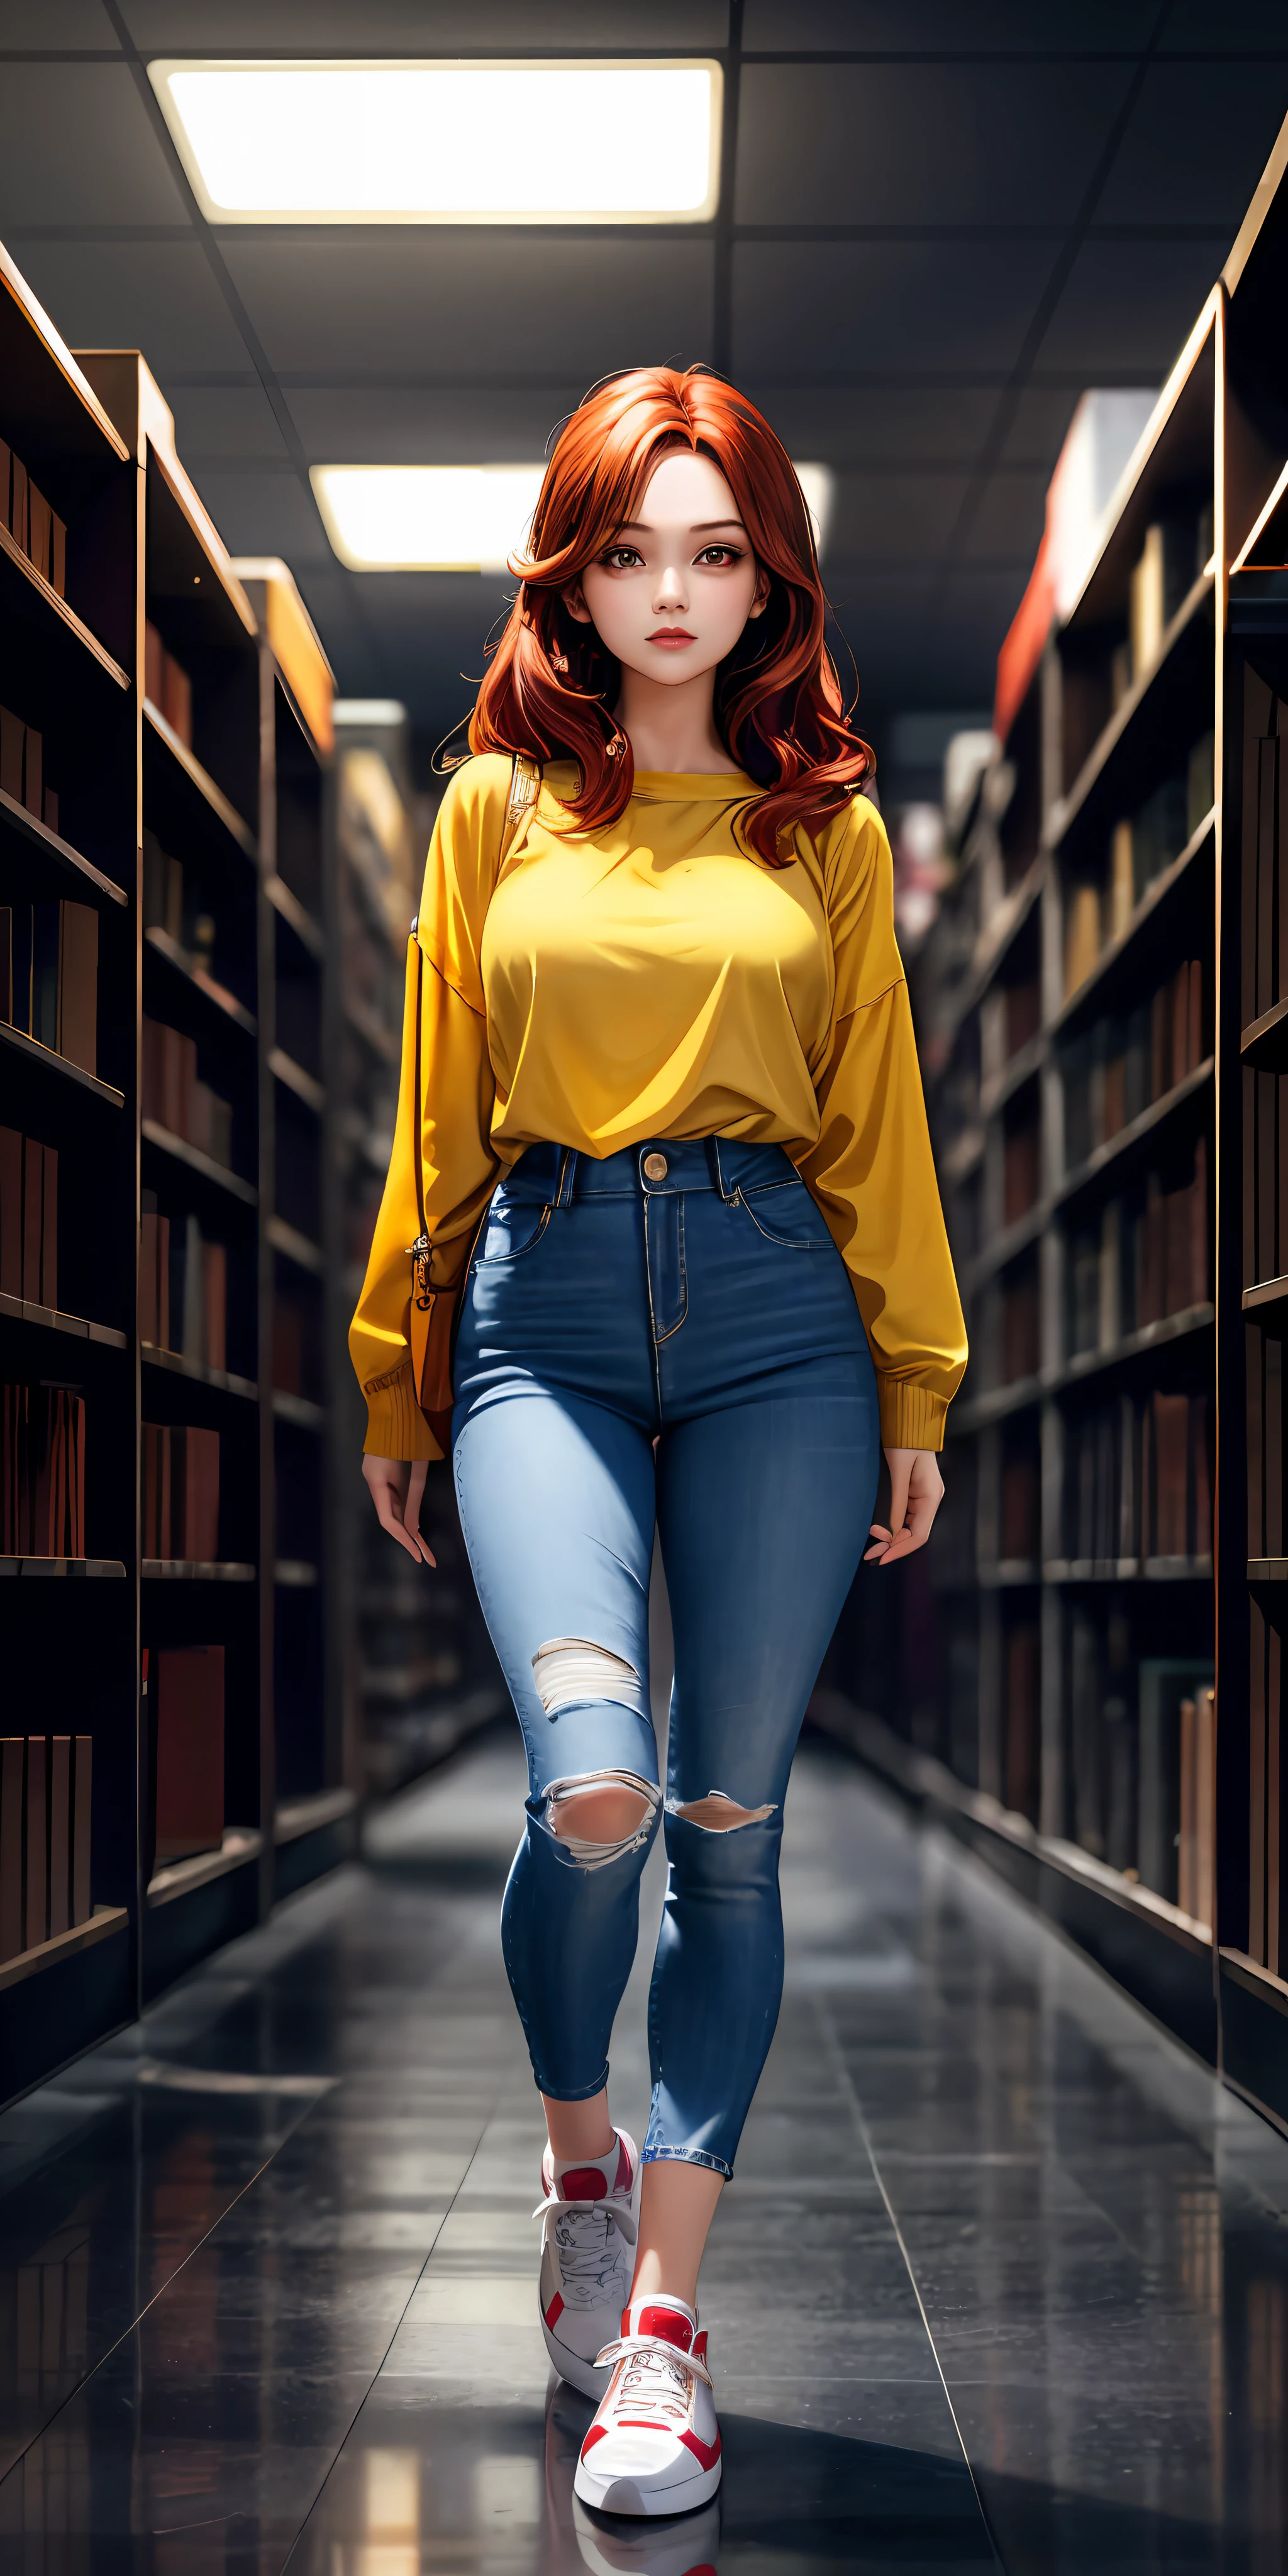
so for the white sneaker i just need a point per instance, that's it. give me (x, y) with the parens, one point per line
(684, 2548)
(654, 2447)
(587, 2257)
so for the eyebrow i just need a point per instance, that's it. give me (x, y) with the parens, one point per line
(700, 527)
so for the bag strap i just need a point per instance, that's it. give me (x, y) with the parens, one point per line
(525, 787)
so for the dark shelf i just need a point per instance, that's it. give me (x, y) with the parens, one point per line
(1133, 1346)
(51, 860)
(20, 1310)
(196, 980)
(1184, 659)
(1020, 1068)
(222, 1380)
(73, 1568)
(183, 1569)
(289, 909)
(1263, 1045)
(1109, 1157)
(33, 1053)
(1127, 1569)
(1117, 969)
(295, 1574)
(293, 1077)
(180, 796)
(1267, 1303)
(295, 1247)
(58, 652)
(163, 1142)
(299, 1410)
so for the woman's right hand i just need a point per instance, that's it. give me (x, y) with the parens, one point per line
(396, 1489)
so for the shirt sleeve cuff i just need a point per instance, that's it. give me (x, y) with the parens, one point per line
(911, 1417)
(396, 1427)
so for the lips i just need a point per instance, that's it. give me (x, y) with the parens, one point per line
(672, 635)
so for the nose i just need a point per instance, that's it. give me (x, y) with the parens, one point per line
(672, 590)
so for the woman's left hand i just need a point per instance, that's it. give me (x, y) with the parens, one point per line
(916, 1492)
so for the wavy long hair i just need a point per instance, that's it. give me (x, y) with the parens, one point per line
(551, 685)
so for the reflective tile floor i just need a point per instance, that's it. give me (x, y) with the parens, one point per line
(1003, 2277)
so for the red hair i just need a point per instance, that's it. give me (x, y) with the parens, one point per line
(778, 709)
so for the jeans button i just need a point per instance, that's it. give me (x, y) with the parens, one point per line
(655, 1167)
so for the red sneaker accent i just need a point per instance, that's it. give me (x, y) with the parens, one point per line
(596, 2434)
(555, 2309)
(622, 2179)
(698, 2347)
(708, 2453)
(582, 2182)
(667, 2324)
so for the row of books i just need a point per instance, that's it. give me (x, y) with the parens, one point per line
(1267, 1519)
(46, 1802)
(180, 1492)
(1267, 1941)
(1138, 1479)
(42, 1471)
(1265, 1148)
(1175, 553)
(174, 1096)
(184, 1688)
(49, 976)
(167, 684)
(1141, 1765)
(31, 522)
(1141, 847)
(22, 769)
(1118, 1070)
(183, 1287)
(1265, 921)
(28, 1218)
(1143, 1260)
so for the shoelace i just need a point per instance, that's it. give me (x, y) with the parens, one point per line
(638, 2383)
(585, 2256)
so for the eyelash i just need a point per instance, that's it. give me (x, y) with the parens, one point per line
(612, 560)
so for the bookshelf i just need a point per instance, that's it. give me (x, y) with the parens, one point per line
(1084, 1672)
(164, 733)
(416, 1673)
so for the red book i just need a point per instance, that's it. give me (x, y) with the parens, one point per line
(82, 1815)
(12, 730)
(48, 1225)
(33, 773)
(189, 1686)
(18, 504)
(153, 667)
(176, 702)
(10, 1212)
(215, 1261)
(36, 1909)
(1200, 1274)
(39, 531)
(60, 1834)
(58, 560)
(1160, 1018)
(195, 1484)
(51, 808)
(153, 1080)
(78, 986)
(149, 1282)
(33, 1194)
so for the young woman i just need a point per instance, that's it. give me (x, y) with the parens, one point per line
(662, 1162)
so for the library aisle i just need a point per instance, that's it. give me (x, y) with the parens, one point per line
(1003, 2277)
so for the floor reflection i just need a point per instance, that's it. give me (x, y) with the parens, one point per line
(1002, 2267)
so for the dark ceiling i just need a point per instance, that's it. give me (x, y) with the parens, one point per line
(942, 222)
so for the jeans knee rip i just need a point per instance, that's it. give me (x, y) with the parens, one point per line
(568, 1669)
(704, 1813)
(564, 1794)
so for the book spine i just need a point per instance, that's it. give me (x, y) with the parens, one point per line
(36, 1904)
(82, 1822)
(13, 1793)
(60, 1834)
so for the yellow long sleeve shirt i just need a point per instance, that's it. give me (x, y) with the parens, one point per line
(654, 981)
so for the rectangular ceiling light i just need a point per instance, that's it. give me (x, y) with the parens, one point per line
(456, 518)
(446, 142)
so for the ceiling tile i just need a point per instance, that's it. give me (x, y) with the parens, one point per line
(475, 304)
(427, 428)
(80, 148)
(1244, 27)
(1037, 431)
(939, 26)
(408, 27)
(921, 143)
(159, 297)
(1127, 308)
(63, 26)
(919, 307)
(887, 519)
(1160, 177)
(876, 425)
(1008, 522)
(216, 421)
(265, 514)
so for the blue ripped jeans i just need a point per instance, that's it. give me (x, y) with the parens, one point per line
(688, 1294)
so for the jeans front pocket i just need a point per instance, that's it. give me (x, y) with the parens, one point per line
(782, 1224)
(514, 1227)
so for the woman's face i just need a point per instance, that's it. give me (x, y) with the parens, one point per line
(672, 593)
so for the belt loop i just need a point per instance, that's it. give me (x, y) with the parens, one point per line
(567, 1170)
(712, 1144)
